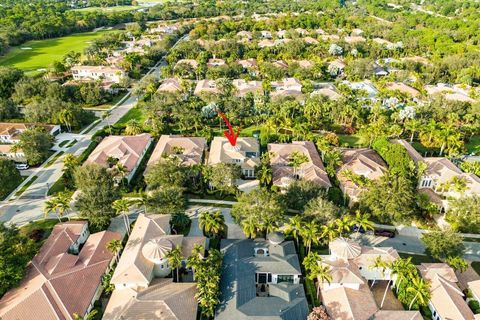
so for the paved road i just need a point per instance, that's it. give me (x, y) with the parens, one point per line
(414, 245)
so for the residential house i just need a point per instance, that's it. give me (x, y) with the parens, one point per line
(330, 37)
(354, 39)
(7, 152)
(125, 150)
(266, 43)
(164, 29)
(327, 90)
(115, 60)
(301, 31)
(442, 179)
(286, 87)
(171, 85)
(261, 280)
(451, 92)
(189, 150)
(10, 131)
(446, 299)
(320, 31)
(141, 288)
(266, 34)
(249, 65)
(356, 32)
(310, 40)
(283, 171)
(281, 34)
(366, 86)
(348, 295)
(359, 164)
(64, 277)
(190, 62)
(214, 62)
(108, 73)
(244, 87)
(245, 35)
(304, 64)
(245, 153)
(206, 86)
(403, 88)
(280, 64)
(382, 42)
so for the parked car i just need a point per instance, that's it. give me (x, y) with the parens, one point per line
(384, 233)
(22, 166)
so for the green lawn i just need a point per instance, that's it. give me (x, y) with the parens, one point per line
(418, 258)
(349, 140)
(58, 155)
(44, 52)
(134, 113)
(473, 145)
(108, 9)
(476, 266)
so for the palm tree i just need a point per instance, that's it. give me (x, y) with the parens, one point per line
(296, 160)
(69, 162)
(343, 224)
(121, 207)
(51, 206)
(402, 269)
(63, 203)
(316, 270)
(212, 222)
(114, 246)
(175, 258)
(250, 227)
(309, 234)
(264, 174)
(142, 200)
(294, 227)
(421, 290)
(121, 170)
(66, 117)
(329, 231)
(362, 221)
(133, 127)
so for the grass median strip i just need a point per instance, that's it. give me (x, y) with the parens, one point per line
(25, 186)
(58, 155)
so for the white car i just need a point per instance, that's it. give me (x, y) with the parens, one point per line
(22, 166)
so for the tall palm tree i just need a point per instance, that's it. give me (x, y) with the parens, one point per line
(175, 258)
(343, 224)
(329, 231)
(421, 290)
(121, 207)
(294, 227)
(69, 162)
(264, 174)
(51, 206)
(63, 200)
(362, 221)
(309, 234)
(142, 200)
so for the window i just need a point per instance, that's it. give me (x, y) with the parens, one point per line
(285, 278)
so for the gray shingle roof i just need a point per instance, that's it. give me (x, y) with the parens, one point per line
(238, 291)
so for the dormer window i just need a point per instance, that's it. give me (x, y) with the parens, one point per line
(261, 252)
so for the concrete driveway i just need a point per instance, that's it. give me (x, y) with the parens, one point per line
(234, 230)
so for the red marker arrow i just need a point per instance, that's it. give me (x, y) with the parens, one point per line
(229, 134)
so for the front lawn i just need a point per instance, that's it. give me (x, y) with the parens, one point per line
(133, 114)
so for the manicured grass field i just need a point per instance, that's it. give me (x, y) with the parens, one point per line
(44, 52)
